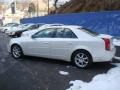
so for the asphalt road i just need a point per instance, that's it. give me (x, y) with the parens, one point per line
(41, 74)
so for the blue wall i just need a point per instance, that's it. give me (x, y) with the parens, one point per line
(101, 22)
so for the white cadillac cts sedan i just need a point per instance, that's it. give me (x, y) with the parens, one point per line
(66, 42)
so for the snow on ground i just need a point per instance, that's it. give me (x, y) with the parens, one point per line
(116, 42)
(108, 81)
(116, 64)
(63, 73)
(59, 3)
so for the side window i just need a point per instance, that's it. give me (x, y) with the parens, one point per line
(69, 34)
(60, 33)
(65, 33)
(46, 33)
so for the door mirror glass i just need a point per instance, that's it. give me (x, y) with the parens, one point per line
(33, 36)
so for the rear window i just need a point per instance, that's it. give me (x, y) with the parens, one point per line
(90, 32)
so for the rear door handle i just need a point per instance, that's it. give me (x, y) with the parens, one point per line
(45, 42)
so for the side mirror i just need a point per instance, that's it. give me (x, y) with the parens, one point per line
(33, 36)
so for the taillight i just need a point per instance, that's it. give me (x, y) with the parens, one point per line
(107, 43)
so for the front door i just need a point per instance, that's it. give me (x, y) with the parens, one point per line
(39, 44)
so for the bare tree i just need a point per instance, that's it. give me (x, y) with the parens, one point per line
(31, 9)
(47, 1)
(55, 5)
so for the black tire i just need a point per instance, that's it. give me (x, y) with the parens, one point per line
(82, 59)
(16, 51)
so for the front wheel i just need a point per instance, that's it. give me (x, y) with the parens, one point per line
(82, 59)
(16, 51)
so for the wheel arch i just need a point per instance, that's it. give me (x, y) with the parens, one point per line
(17, 45)
(81, 49)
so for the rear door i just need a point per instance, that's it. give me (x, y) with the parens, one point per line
(62, 43)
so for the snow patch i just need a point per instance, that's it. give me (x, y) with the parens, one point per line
(59, 3)
(68, 66)
(63, 73)
(116, 64)
(108, 81)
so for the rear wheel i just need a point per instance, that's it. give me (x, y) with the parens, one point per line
(82, 59)
(16, 51)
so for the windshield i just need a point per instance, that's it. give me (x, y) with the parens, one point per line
(90, 32)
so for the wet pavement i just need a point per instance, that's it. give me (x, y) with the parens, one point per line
(34, 73)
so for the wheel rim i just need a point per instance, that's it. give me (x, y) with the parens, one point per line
(81, 60)
(16, 52)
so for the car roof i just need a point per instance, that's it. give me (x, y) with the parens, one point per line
(65, 26)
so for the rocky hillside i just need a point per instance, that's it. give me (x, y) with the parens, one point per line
(75, 6)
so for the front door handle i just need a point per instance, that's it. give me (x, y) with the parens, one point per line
(70, 43)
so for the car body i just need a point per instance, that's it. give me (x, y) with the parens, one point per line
(17, 33)
(9, 26)
(18, 28)
(12, 29)
(66, 42)
(31, 32)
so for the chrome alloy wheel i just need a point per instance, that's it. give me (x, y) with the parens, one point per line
(81, 60)
(16, 51)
